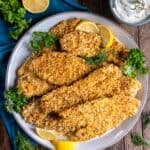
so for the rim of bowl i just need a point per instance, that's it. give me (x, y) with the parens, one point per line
(140, 23)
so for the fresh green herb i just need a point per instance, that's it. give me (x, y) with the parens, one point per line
(14, 100)
(41, 39)
(138, 140)
(146, 120)
(8, 106)
(95, 60)
(135, 63)
(23, 143)
(14, 14)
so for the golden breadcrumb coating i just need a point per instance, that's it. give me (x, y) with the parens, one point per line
(58, 68)
(81, 43)
(95, 117)
(30, 85)
(118, 52)
(33, 113)
(23, 69)
(101, 82)
(65, 27)
(118, 46)
(104, 82)
(99, 116)
(87, 120)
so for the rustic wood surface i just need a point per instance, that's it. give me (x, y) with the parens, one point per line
(142, 37)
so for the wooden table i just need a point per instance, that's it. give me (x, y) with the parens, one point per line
(142, 36)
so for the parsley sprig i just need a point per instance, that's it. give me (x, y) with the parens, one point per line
(14, 100)
(14, 14)
(135, 63)
(95, 60)
(138, 140)
(41, 39)
(23, 143)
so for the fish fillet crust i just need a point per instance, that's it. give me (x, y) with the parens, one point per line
(65, 27)
(30, 85)
(87, 120)
(81, 43)
(58, 68)
(95, 118)
(100, 82)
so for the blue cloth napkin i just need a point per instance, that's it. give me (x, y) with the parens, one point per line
(6, 47)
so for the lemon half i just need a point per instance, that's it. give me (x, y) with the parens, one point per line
(87, 26)
(53, 137)
(45, 134)
(107, 36)
(35, 6)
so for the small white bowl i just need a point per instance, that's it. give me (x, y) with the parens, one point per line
(22, 50)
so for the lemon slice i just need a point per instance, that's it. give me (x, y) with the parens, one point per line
(53, 136)
(107, 36)
(47, 134)
(87, 26)
(65, 145)
(35, 6)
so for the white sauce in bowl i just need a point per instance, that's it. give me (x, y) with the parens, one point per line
(132, 11)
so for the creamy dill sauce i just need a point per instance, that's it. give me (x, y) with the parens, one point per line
(132, 11)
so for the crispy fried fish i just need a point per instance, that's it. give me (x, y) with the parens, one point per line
(65, 27)
(101, 82)
(58, 68)
(95, 118)
(81, 43)
(87, 120)
(105, 81)
(30, 85)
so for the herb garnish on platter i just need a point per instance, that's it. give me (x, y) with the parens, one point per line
(14, 14)
(135, 63)
(41, 39)
(14, 100)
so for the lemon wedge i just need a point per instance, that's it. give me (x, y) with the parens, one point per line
(87, 26)
(46, 134)
(35, 6)
(53, 136)
(65, 145)
(107, 36)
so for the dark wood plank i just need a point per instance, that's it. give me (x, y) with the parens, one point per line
(4, 139)
(94, 5)
(144, 35)
(118, 146)
(128, 145)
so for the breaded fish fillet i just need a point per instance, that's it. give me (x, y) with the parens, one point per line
(87, 120)
(30, 85)
(23, 69)
(33, 113)
(105, 81)
(94, 118)
(81, 43)
(65, 27)
(101, 82)
(57, 68)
